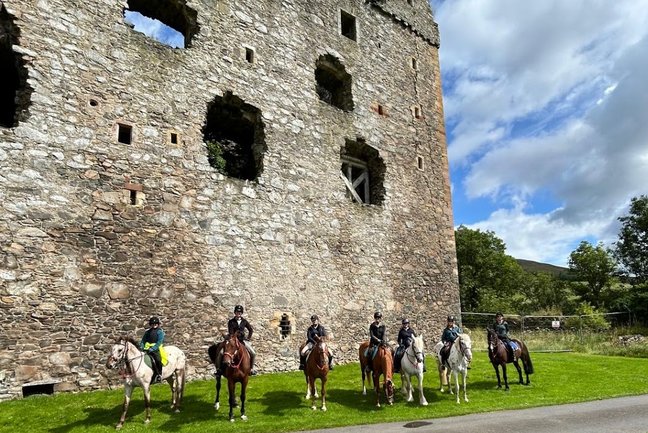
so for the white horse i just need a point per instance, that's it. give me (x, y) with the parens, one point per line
(126, 356)
(412, 366)
(458, 360)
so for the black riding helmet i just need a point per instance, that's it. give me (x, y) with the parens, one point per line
(154, 321)
(498, 314)
(238, 309)
(405, 321)
(451, 318)
(377, 315)
(314, 317)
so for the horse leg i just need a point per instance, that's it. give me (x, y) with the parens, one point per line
(442, 374)
(323, 379)
(406, 381)
(376, 381)
(218, 388)
(173, 383)
(308, 388)
(506, 385)
(455, 373)
(465, 377)
(364, 388)
(147, 401)
(422, 399)
(180, 388)
(449, 380)
(128, 390)
(499, 382)
(311, 387)
(519, 370)
(243, 394)
(231, 388)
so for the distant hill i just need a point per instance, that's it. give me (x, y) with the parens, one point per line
(557, 271)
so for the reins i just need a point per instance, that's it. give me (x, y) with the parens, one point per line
(126, 369)
(233, 355)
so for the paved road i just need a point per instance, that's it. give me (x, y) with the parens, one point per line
(619, 415)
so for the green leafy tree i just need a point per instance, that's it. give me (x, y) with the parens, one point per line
(595, 266)
(488, 278)
(632, 247)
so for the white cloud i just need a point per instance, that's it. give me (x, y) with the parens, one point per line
(547, 97)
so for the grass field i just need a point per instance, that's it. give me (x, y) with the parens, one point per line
(276, 401)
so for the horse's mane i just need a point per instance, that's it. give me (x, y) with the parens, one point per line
(419, 341)
(466, 338)
(128, 338)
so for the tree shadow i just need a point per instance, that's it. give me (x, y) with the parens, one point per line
(96, 416)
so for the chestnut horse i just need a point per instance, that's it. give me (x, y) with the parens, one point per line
(499, 356)
(236, 360)
(383, 364)
(317, 367)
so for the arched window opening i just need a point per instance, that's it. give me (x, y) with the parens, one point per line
(284, 326)
(363, 172)
(234, 135)
(170, 22)
(15, 93)
(333, 83)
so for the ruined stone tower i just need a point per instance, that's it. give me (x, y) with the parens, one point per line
(290, 157)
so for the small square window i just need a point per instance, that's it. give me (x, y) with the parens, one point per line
(348, 25)
(173, 138)
(413, 63)
(249, 55)
(419, 162)
(381, 110)
(417, 112)
(124, 133)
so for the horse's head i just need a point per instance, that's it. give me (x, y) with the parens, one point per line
(231, 350)
(418, 347)
(118, 353)
(465, 346)
(492, 339)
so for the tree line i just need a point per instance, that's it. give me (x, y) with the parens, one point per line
(600, 278)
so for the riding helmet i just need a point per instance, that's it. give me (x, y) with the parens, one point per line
(238, 309)
(451, 318)
(377, 315)
(154, 321)
(498, 314)
(314, 317)
(405, 321)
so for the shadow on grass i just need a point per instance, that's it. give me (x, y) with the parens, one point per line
(97, 417)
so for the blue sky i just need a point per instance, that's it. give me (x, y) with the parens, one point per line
(546, 114)
(547, 118)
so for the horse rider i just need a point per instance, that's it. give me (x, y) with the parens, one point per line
(151, 343)
(376, 338)
(501, 329)
(405, 338)
(314, 333)
(450, 334)
(240, 324)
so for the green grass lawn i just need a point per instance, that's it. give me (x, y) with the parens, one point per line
(276, 401)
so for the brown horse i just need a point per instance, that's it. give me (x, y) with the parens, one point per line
(500, 356)
(317, 367)
(383, 363)
(236, 360)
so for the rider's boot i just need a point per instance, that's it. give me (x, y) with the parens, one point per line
(331, 362)
(253, 372)
(302, 362)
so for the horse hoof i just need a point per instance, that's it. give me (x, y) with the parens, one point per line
(323, 408)
(244, 417)
(217, 406)
(231, 419)
(147, 421)
(118, 426)
(364, 392)
(313, 407)
(177, 411)
(424, 403)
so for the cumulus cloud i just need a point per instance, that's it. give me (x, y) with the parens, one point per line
(547, 98)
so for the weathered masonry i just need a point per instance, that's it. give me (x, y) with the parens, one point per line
(288, 156)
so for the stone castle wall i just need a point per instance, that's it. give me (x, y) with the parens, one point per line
(97, 235)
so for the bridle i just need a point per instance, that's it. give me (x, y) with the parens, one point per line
(418, 354)
(123, 362)
(462, 349)
(232, 355)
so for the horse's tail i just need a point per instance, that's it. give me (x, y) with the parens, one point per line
(213, 351)
(527, 360)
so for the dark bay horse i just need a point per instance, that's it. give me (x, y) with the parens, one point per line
(317, 367)
(499, 356)
(383, 364)
(236, 360)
